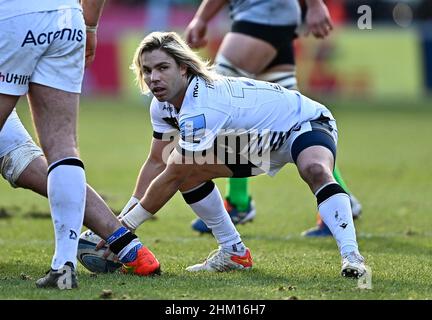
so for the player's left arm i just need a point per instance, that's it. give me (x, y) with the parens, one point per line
(318, 20)
(92, 10)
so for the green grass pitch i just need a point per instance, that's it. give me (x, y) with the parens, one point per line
(385, 154)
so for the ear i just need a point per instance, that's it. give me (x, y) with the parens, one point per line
(183, 69)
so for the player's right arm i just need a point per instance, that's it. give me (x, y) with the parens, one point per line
(196, 30)
(92, 10)
(318, 20)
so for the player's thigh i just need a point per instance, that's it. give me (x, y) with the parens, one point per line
(55, 117)
(246, 52)
(205, 172)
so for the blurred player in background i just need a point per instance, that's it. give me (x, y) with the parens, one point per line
(261, 46)
(226, 128)
(45, 45)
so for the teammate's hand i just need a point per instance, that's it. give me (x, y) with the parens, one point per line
(90, 50)
(195, 33)
(318, 21)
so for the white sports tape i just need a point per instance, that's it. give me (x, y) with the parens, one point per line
(226, 68)
(286, 79)
(132, 201)
(134, 218)
(16, 161)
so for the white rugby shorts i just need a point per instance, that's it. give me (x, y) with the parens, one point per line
(283, 156)
(47, 48)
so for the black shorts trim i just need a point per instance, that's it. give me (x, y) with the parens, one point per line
(280, 37)
(242, 170)
(312, 138)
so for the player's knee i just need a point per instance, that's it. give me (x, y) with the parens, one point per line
(14, 163)
(55, 153)
(286, 79)
(226, 68)
(315, 173)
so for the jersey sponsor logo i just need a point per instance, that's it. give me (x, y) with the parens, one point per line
(47, 38)
(195, 90)
(192, 129)
(20, 79)
(167, 108)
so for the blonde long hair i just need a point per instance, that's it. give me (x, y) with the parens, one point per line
(173, 45)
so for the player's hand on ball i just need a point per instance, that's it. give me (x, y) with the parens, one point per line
(102, 244)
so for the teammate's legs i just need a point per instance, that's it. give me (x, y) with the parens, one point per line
(55, 117)
(27, 168)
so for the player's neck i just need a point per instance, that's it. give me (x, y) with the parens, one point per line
(177, 101)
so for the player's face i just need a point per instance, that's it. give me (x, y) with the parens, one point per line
(164, 77)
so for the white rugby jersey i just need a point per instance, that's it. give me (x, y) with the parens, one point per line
(268, 12)
(12, 8)
(234, 107)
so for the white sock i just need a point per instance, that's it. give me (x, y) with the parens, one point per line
(67, 196)
(336, 214)
(212, 211)
(135, 217)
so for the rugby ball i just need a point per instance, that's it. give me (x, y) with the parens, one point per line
(91, 259)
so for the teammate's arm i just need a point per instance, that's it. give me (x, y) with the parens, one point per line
(92, 10)
(196, 30)
(318, 20)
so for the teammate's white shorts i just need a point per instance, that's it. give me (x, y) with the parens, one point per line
(49, 52)
(17, 149)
